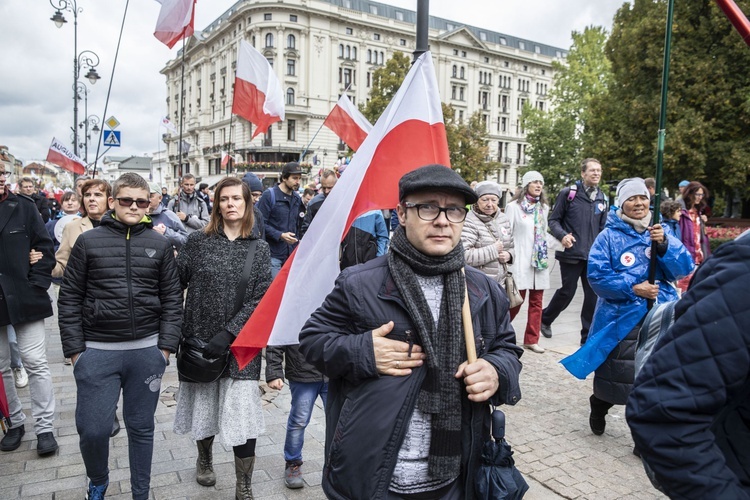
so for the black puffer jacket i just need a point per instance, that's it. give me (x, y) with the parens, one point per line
(294, 367)
(120, 284)
(689, 410)
(367, 414)
(584, 218)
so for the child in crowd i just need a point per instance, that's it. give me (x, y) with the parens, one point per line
(670, 214)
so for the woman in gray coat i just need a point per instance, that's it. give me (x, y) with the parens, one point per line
(486, 237)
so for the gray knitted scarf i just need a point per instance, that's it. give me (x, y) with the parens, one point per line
(440, 395)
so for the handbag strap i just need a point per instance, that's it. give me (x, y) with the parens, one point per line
(239, 297)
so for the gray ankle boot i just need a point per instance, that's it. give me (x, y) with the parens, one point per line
(243, 468)
(204, 466)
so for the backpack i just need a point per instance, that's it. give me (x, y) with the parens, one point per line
(357, 247)
(658, 320)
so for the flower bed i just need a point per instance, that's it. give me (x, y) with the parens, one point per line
(720, 235)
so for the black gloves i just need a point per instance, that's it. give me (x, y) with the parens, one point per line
(218, 345)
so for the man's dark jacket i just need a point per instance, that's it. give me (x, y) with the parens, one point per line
(120, 284)
(42, 205)
(281, 216)
(23, 287)
(689, 410)
(582, 217)
(312, 210)
(367, 414)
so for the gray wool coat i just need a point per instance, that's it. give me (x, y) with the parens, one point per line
(479, 236)
(210, 268)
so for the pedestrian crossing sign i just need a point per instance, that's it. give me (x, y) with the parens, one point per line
(112, 138)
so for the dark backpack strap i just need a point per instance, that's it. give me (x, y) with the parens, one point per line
(242, 287)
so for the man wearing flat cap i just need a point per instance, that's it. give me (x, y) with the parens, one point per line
(406, 415)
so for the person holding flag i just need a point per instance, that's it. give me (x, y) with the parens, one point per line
(406, 415)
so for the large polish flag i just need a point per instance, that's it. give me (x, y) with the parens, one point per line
(61, 156)
(348, 123)
(176, 21)
(409, 134)
(258, 97)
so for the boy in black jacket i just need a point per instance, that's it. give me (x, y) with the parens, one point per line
(120, 312)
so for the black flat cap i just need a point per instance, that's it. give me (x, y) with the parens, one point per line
(435, 178)
(291, 168)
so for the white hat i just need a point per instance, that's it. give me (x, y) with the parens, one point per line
(531, 176)
(627, 188)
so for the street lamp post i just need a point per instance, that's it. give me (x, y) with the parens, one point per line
(86, 58)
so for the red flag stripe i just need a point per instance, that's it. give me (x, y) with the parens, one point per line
(345, 127)
(248, 103)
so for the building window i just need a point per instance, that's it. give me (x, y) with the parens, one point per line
(268, 137)
(341, 51)
(354, 53)
(503, 124)
(558, 54)
(503, 41)
(348, 4)
(290, 67)
(537, 49)
(463, 53)
(348, 52)
(506, 64)
(349, 31)
(486, 60)
(290, 96)
(347, 76)
(369, 56)
(374, 10)
(461, 115)
(453, 92)
(450, 27)
(269, 40)
(460, 93)
(402, 42)
(455, 71)
(267, 17)
(293, 18)
(483, 36)
(381, 58)
(522, 45)
(376, 36)
(270, 61)
(291, 42)
(291, 130)
(463, 73)
(369, 79)
(525, 67)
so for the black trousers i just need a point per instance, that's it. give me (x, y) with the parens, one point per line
(570, 272)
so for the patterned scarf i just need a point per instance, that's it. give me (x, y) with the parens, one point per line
(695, 218)
(440, 394)
(532, 205)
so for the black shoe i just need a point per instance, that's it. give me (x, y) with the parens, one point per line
(12, 439)
(596, 418)
(115, 427)
(547, 331)
(46, 444)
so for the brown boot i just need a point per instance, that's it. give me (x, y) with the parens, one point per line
(243, 468)
(204, 466)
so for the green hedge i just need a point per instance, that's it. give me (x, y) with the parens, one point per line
(715, 242)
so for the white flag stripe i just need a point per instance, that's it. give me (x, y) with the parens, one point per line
(253, 67)
(346, 104)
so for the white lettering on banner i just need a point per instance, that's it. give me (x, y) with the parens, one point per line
(60, 148)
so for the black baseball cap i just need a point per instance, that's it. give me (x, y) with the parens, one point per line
(291, 168)
(435, 178)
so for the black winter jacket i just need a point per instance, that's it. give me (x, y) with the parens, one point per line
(689, 410)
(580, 216)
(295, 368)
(23, 287)
(120, 284)
(367, 414)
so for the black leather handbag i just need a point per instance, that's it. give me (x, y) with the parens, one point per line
(191, 365)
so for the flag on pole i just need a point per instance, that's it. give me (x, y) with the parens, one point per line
(348, 123)
(225, 157)
(61, 156)
(185, 147)
(167, 124)
(176, 21)
(409, 134)
(258, 97)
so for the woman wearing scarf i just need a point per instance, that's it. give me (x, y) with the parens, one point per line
(486, 236)
(527, 212)
(618, 272)
(692, 226)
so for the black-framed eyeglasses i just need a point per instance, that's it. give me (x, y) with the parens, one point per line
(429, 212)
(4, 173)
(127, 202)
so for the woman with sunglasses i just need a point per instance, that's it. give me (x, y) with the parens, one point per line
(693, 226)
(210, 266)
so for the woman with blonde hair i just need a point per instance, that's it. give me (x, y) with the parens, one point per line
(210, 266)
(527, 213)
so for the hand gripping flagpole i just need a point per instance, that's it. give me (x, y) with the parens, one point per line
(661, 136)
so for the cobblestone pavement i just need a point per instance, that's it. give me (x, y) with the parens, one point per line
(548, 429)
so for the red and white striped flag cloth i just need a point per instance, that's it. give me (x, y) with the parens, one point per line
(225, 157)
(409, 134)
(61, 156)
(348, 123)
(176, 21)
(167, 124)
(258, 97)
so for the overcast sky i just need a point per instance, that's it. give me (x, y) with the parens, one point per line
(36, 96)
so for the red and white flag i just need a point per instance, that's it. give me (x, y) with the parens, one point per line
(409, 134)
(258, 97)
(348, 123)
(176, 21)
(225, 157)
(167, 124)
(61, 156)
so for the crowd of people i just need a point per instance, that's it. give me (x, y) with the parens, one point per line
(139, 272)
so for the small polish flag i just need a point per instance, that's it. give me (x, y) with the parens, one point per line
(258, 97)
(225, 157)
(176, 21)
(409, 134)
(348, 123)
(167, 124)
(61, 156)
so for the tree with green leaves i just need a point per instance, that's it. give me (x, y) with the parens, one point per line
(560, 138)
(385, 83)
(708, 111)
(467, 143)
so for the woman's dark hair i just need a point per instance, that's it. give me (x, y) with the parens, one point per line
(689, 196)
(668, 208)
(90, 184)
(520, 193)
(248, 219)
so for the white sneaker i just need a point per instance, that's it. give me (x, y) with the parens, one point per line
(21, 378)
(534, 348)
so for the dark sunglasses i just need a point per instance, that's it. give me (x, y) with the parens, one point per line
(127, 202)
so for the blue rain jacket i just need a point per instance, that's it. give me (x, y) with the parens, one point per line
(618, 260)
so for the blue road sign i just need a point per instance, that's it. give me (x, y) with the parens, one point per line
(112, 138)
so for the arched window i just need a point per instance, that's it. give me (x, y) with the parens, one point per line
(341, 51)
(348, 52)
(455, 71)
(290, 96)
(269, 40)
(382, 58)
(354, 53)
(291, 42)
(369, 55)
(463, 74)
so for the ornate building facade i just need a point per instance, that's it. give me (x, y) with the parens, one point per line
(319, 48)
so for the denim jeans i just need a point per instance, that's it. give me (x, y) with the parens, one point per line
(276, 265)
(304, 395)
(100, 375)
(32, 345)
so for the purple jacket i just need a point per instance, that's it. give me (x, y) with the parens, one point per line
(688, 235)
